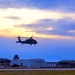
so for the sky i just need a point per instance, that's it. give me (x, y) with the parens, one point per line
(51, 22)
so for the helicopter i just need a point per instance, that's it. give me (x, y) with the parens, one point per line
(27, 41)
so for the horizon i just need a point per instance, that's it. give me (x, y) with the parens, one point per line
(50, 22)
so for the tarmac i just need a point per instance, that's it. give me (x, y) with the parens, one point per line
(37, 69)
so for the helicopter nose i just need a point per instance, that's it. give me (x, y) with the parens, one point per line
(36, 42)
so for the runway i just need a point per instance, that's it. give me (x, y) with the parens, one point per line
(37, 69)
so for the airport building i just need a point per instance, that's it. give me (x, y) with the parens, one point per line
(4, 62)
(51, 64)
(28, 63)
(66, 63)
(34, 63)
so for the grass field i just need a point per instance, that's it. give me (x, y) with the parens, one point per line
(37, 72)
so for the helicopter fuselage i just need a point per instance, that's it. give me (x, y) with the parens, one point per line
(27, 41)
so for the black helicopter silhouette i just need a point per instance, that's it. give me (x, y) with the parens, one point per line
(27, 41)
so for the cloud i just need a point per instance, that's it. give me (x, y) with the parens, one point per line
(35, 21)
(56, 37)
(72, 31)
(27, 33)
(47, 26)
(13, 17)
(29, 16)
(39, 4)
(63, 26)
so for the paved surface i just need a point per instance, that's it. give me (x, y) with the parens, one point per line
(37, 69)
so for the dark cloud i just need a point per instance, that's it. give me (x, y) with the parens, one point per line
(65, 24)
(40, 24)
(13, 17)
(60, 27)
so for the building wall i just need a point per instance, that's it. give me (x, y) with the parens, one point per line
(4, 62)
(51, 64)
(66, 63)
(29, 63)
